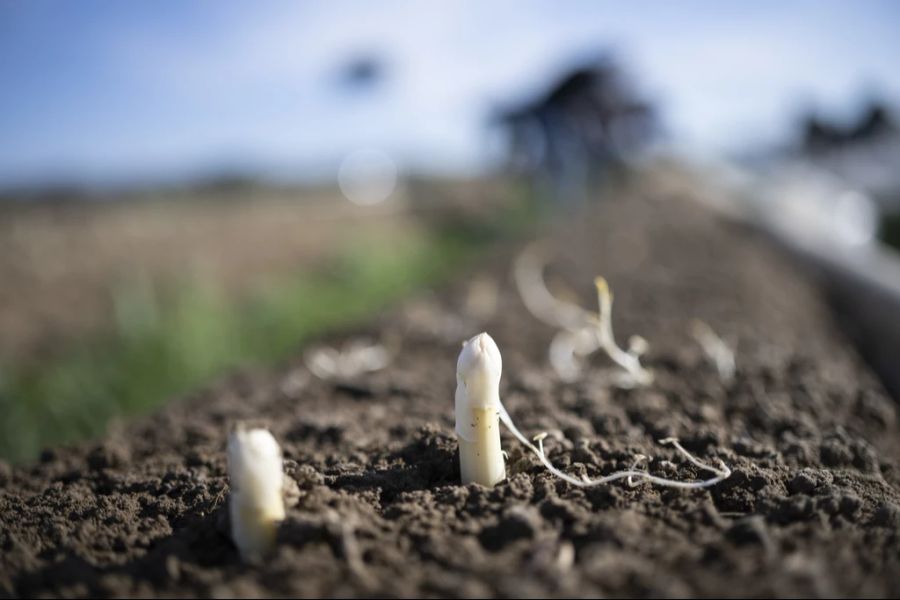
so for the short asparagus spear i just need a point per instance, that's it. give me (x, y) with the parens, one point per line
(256, 505)
(477, 412)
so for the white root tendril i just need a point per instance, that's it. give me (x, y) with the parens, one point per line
(568, 349)
(575, 339)
(638, 459)
(632, 476)
(637, 346)
(715, 349)
(354, 359)
(630, 361)
(528, 272)
(581, 332)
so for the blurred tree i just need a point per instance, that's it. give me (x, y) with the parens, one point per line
(584, 123)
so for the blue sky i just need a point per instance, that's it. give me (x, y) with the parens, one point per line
(102, 91)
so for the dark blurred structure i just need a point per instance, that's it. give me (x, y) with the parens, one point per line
(585, 123)
(821, 135)
(864, 153)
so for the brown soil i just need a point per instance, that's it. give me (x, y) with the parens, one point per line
(812, 508)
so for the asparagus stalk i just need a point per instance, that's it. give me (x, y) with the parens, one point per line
(477, 412)
(256, 505)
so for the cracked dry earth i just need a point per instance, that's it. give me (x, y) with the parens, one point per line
(812, 507)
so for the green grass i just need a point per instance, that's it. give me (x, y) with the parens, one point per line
(162, 349)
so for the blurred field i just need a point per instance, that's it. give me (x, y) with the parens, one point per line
(63, 266)
(110, 309)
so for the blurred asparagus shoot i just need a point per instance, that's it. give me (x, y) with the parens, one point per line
(716, 350)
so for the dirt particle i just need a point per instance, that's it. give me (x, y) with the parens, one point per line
(107, 455)
(555, 509)
(305, 476)
(835, 453)
(516, 523)
(802, 483)
(830, 505)
(877, 409)
(850, 505)
(520, 487)
(887, 515)
(753, 449)
(808, 481)
(750, 530)
(796, 508)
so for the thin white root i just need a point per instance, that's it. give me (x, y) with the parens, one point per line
(630, 361)
(581, 332)
(575, 339)
(528, 272)
(356, 358)
(637, 460)
(722, 468)
(715, 349)
(637, 346)
(568, 349)
(722, 472)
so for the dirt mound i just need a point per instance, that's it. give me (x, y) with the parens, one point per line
(812, 508)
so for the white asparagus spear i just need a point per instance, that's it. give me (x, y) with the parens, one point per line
(477, 412)
(256, 474)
